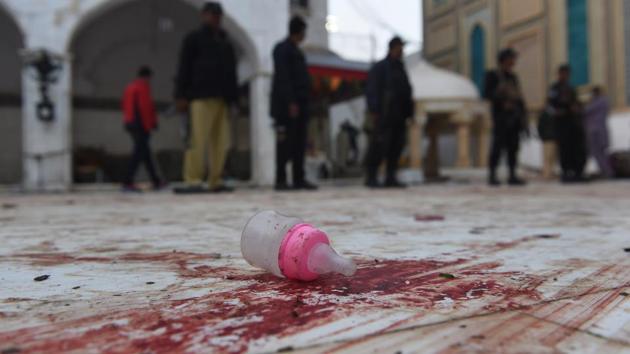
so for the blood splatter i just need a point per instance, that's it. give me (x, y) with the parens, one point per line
(503, 245)
(427, 218)
(262, 305)
(52, 259)
(548, 236)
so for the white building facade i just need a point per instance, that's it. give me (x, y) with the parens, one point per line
(100, 44)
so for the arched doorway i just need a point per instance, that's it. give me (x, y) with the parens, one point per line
(10, 100)
(107, 48)
(478, 56)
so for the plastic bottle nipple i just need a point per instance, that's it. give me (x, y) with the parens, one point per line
(305, 253)
(323, 259)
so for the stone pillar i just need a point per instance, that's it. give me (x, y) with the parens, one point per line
(263, 148)
(47, 146)
(416, 132)
(463, 139)
(598, 42)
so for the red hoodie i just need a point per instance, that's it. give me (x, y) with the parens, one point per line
(137, 99)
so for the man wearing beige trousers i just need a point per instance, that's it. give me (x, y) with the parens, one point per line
(206, 85)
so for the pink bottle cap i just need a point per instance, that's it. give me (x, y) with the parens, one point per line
(295, 250)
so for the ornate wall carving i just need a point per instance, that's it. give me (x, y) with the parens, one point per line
(443, 35)
(436, 7)
(513, 12)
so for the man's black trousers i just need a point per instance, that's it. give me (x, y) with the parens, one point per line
(505, 139)
(386, 142)
(291, 139)
(141, 154)
(571, 146)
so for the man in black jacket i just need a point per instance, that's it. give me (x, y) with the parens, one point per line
(291, 88)
(570, 137)
(503, 91)
(206, 85)
(390, 105)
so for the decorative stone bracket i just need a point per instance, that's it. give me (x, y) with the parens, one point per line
(45, 68)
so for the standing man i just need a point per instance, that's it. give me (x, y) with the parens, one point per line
(509, 116)
(290, 91)
(547, 134)
(140, 119)
(596, 114)
(206, 85)
(390, 106)
(570, 137)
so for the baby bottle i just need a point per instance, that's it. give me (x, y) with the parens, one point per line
(288, 247)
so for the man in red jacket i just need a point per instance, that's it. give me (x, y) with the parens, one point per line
(140, 119)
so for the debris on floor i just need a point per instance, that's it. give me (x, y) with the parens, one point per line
(428, 218)
(42, 277)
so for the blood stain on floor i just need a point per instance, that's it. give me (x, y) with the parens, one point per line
(263, 305)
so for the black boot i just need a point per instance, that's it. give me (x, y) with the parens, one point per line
(282, 186)
(493, 181)
(393, 182)
(372, 183)
(306, 185)
(515, 180)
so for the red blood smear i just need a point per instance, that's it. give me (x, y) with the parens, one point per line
(265, 305)
(426, 218)
(52, 259)
(503, 245)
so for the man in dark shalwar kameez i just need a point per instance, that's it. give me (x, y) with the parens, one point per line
(509, 116)
(567, 113)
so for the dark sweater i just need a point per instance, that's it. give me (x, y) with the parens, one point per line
(207, 66)
(291, 80)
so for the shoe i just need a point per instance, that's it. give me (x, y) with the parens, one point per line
(372, 183)
(191, 189)
(394, 183)
(515, 181)
(160, 186)
(282, 187)
(130, 188)
(221, 189)
(573, 178)
(307, 186)
(494, 182)
(580, 178)
(566, 178)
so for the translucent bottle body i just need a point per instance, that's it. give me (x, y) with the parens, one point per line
(262, 237)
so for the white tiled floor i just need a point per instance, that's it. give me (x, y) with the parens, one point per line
(539, 269)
